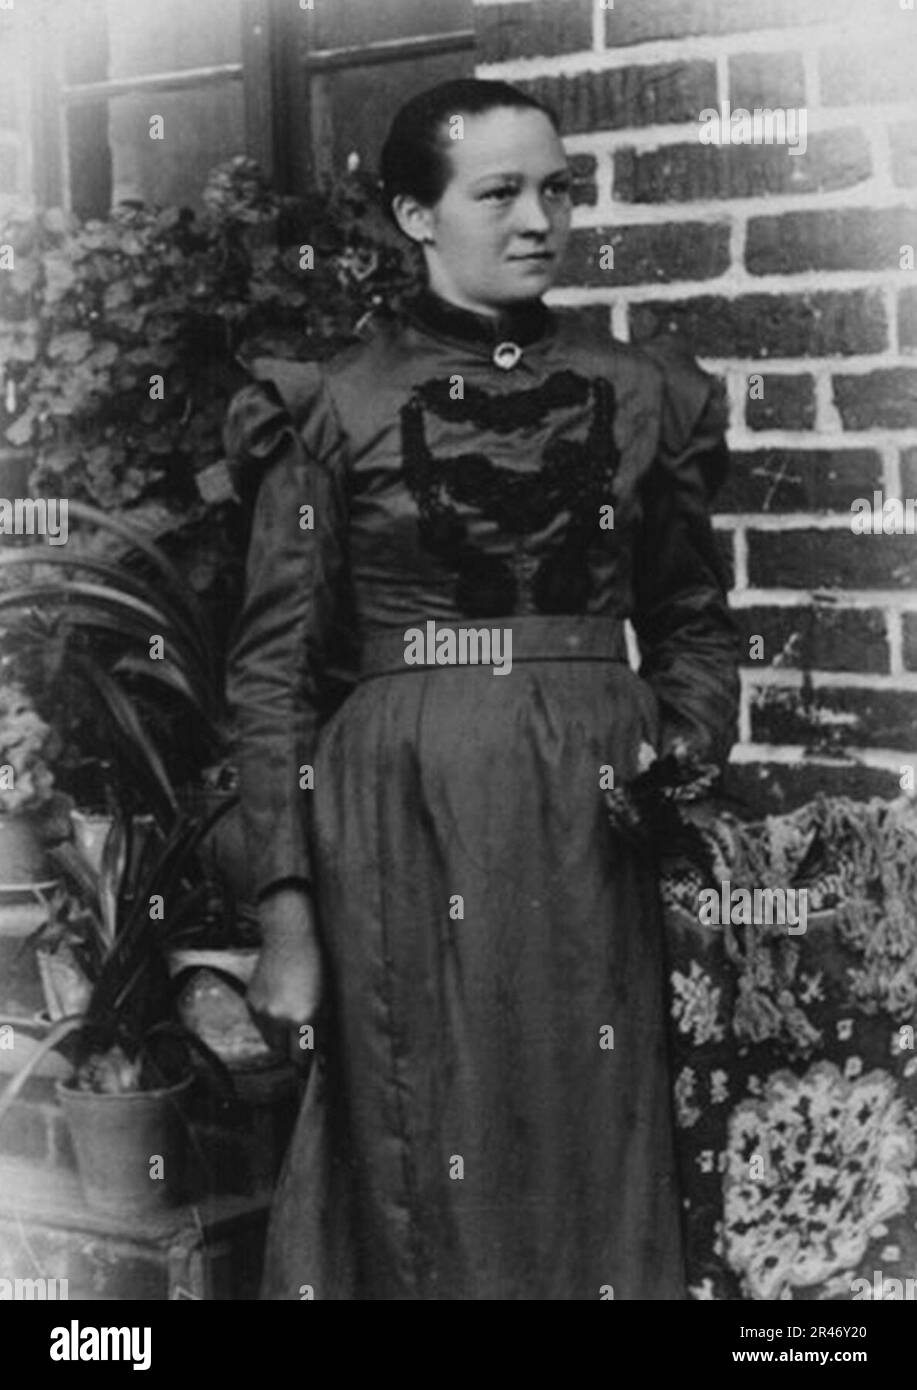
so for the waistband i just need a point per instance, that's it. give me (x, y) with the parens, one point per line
(534, 637)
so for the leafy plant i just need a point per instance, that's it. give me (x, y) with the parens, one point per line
(121, 340)
(127, 1038)
(131, 634)
(69, 952)
(25, 779)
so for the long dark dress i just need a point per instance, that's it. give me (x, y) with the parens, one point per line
(489, 1115)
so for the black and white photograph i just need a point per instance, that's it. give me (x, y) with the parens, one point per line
(458, 659)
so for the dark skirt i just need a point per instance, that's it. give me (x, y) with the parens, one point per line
(489, 1115)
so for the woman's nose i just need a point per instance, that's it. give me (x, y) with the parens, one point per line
(533, 216)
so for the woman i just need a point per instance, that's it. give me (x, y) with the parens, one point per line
(489, 1116)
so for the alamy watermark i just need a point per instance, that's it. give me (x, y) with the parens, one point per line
(883, 516)
(35, 516)
(754, 907)
(884, 1288)
(39, 1290)
(463, 646)
(76, 1343)
(762, 126)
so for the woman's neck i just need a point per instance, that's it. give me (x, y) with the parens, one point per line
(522, 322)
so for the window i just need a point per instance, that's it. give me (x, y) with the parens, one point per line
(297, 89)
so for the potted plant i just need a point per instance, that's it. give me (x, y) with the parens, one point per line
(129, 647)
(131, 1062)
(121, 342)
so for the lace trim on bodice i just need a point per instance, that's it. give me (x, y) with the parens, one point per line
(575, 478)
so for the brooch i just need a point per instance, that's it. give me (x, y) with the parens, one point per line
(506, 355)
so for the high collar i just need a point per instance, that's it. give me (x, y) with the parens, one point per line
(522, 323)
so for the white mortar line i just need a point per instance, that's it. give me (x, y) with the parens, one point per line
(891, 313)
(786, 521)
(622, 213)
(788, 754)
(598, 27)
(901, 601)
(891, 470)
(738, 233)
(740, 558)
(689, 48)
(734, 283)
(737, 385)
(620, 321)
(852, 366)
(744, 721)
(810, 442)
(827, 416)
(720, 210)
(894, 631)
(857, 120)
(722, 76)
(788, 678)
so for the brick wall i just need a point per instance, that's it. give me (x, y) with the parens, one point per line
(786, 266)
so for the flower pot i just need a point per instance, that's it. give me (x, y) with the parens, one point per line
(118, 1138)
(215, 1010)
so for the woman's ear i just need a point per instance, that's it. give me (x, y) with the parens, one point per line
(415, 220)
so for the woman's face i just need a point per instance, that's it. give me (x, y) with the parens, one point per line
(499, 230)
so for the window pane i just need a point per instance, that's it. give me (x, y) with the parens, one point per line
(201, 125)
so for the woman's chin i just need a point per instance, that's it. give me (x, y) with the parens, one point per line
(529, 282)
(535, 269)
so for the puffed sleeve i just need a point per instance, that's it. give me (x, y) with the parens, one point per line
(286, 667)
(688, 640)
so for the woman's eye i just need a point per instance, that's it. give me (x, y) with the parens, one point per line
(560, 189)
(499, 194)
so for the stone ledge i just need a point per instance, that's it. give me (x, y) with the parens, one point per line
(210, 1249)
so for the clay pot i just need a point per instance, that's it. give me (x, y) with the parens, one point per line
(118, 1136)
(211, 1007)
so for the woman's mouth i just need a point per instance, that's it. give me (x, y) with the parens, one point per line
(534, 257)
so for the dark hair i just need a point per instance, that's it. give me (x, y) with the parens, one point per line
(414, 158)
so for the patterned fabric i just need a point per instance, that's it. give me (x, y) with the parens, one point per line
(794, 1060)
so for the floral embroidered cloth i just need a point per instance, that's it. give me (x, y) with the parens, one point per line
(794, 1059)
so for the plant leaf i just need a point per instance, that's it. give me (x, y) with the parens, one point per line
(59, 1031)
(126, 720)
(180, 590)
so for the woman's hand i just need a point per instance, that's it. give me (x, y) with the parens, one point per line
(286, 988)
